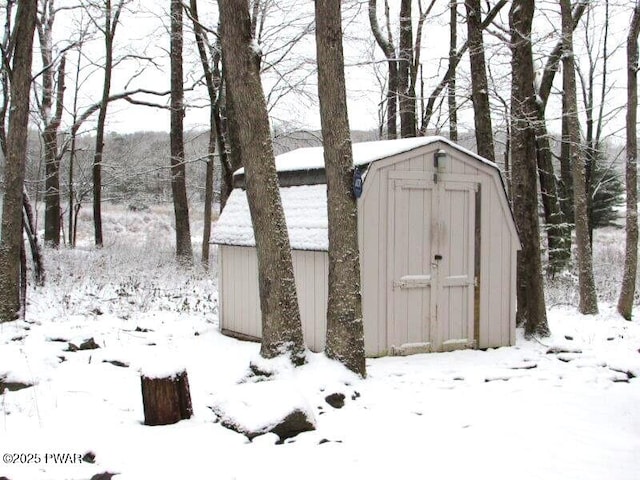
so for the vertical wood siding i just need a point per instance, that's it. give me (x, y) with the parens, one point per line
(497, 288)
(240, 300)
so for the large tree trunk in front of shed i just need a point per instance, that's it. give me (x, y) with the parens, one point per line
(345, 334)
(531, 306)
(166, 400)
(281, 326)
(627, 291)
(11, 240)
(588, 302)
(479, 84)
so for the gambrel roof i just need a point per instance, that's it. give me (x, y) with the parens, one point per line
(303, 192)
(305, 166)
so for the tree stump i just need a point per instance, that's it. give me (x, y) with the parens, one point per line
(167, 399)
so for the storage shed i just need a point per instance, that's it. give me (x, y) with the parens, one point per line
(437, 242)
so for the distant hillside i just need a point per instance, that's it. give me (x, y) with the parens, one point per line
(136, 165)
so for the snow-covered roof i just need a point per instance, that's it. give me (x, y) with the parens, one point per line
(305, 209)
(305, 206)
(312, 158)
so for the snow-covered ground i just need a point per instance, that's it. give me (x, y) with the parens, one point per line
(563, 407)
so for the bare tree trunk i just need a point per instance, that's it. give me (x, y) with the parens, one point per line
(28, 218)
(213, 80)
(23, 278)
(553, 196)
(32, 237)
(72, 216)
(52, 91)
(111, 19)
(588, 303)
(627, 291)
(232, 160)
(479, 84)
(184, 250)
(53, 212)
(4, 76)
(407, 95)
(11, 240)
(453, 61)
(387, 47)
(531, 305)
(594, 121)
(223, 147)
(281, 327)
(566, 177)
(558, 231)
(416, 66)
(345, 334)
(449, 74)
(97, 174)
(208, 198)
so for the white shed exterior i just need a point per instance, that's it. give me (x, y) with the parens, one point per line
(438, 250)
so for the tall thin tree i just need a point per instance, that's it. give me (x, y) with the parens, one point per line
(598, 57)
(213, 80)
(406, 88)
(627, 292)
(184, 250)
(6, 44)
(73, 207)
(111, 16)
(389, 50)
(345, 335)
(588, 302)
(11, 241)
(451, 89)
(281, 326)
(530, 302)
(479, 83)
(51, 108)
(451, 68)
(553, 197)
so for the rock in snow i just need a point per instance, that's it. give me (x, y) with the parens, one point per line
(254, 409)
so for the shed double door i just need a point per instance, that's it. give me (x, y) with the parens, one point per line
(430, 264)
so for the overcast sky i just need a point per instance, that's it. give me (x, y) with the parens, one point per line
(143, 32)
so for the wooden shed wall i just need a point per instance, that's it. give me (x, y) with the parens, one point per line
(240, 300)
(498, 270)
